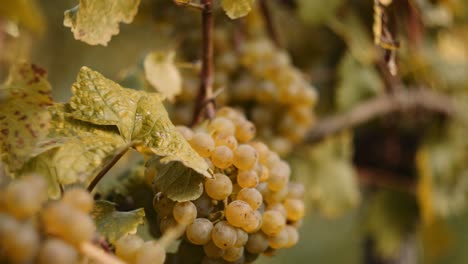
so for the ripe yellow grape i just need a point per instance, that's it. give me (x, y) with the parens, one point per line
(254, 222)
(184, 212)
(185, 131)
(295, 209)
(242, 238)
(273, 222)
(202, 143)
(279, 240)
(79, 198)
(222, 125)
(218, 188)
(261, 149)
(279, 176)
(127, 247)
(257, 243)
(24, 197)
(224, 235)
(245, 131)
(199, 232)
(236, 213)
(222, 157)
(247, 178)
(234, 253)
(56, 251)
(293, 236)
(225, 140)
(151, 252)
(212, 251)
(251, 196)
(245, 157)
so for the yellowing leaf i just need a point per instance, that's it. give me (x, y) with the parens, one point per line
(140, 117)
(237, 8)
(162, 74)
(77, 151)
(113, 224)
(95, 22)
(175, 180)
(24, 12)
(24, 119)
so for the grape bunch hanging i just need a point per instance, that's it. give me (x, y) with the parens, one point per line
(249, 207)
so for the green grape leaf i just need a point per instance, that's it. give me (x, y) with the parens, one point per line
(356, 83)
(390, 216)
(26, 12)
(162, 73)
(317, 12)
(175, 180)
(95, 22)
(24, 119)
(237, 8)
(140, 117)
(113, 224)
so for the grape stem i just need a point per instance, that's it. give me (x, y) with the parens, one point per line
(399, 101)
(269, 23)
(99, 255)
(204, 105)
(107, 168)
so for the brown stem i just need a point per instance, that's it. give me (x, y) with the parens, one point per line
(106, 169)
(272, 32)
(402, 100)
(204, 106)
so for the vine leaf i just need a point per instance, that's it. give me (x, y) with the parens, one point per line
(80, 149)
(140, 117)
(113, 224)
(95, 22)
(162, 73)
(175, 180)
(24, 119)
(237, 8)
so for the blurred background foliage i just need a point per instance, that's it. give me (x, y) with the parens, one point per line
(394, 190)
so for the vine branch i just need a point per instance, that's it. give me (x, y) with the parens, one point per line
(269, 23)
(204, 105)
(402, 100)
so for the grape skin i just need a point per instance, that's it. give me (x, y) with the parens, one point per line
(55, 251)
(218, 188)
(257, 243)
(199, 232)
(236, 213)
(127, 247)
(273, 222)
(151, 252)
(251, 196)
(222, 157)
(184, 212)
(247, 179)
(80, 199)
(294, 209)
(245, 157)
(224, 235)
(212, 251)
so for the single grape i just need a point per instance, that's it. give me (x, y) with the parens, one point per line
(151, 252)
(247, 179)
(294, 209)
(184, 212)
(79, 198)
(295, 190)
(22, 243)
(245, 157)
(218, 188)
(202, 143)
(224, 235)
(212, 251)
(127, 247)
(63, 220)
(222, 125)
(273, 222)
(251, 196)
(242, 238)
(229, 141)
(222, 157)
(279, 176)
(257, 243)
(293, 236)
(24, 197)
(245, 131)
(272, 197)
(261, 149)
(56, 251)
(263, 173)
(277, 207)
(234, 253)
(236, 213)
(199, 232)
(279, 240)
(254, 222)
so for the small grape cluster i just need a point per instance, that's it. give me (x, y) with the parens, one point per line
(260, 78)
(134, 250)
(249, 207)
(33, 230)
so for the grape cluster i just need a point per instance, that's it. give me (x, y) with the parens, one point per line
(249, 207)
(259, 78)
(33, 230)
